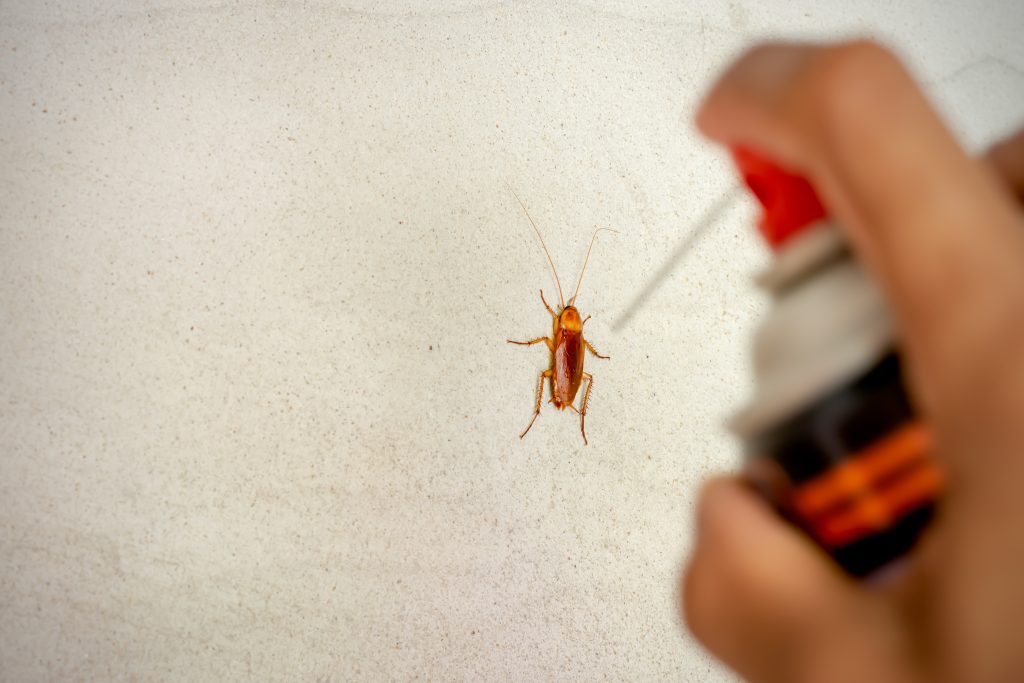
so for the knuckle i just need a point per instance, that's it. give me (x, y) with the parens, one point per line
(848, 65)
(708, 584)
(713, 603)
(701, 608)
(849, 81)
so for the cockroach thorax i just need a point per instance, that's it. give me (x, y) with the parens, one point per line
(569, 319)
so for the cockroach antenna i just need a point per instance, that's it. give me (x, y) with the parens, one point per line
(572, 301)
(561, 299)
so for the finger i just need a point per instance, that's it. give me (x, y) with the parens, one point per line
(761, 597)
(1007, 159)
(940, 232)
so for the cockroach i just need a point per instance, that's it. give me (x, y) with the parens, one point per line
(566, 369)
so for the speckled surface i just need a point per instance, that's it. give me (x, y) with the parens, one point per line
(258, 420)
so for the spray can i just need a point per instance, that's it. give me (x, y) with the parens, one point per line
(831, 437)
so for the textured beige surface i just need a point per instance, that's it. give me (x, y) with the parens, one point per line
(258, 419)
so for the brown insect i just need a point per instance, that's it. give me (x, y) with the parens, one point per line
(566, 370)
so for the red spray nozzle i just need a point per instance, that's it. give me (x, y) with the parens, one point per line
(790, 203)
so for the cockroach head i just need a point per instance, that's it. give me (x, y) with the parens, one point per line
(569, 319)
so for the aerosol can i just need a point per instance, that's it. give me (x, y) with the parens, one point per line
(831, 436)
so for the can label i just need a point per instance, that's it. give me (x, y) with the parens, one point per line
(872, 489)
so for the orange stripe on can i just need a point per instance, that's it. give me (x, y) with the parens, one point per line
(861, 474)
(880, 509)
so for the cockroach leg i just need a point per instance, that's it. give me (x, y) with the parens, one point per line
(594, 351)
(583, 409)
(553, 314)
(584, 321)
(536, 405)
(538, 340)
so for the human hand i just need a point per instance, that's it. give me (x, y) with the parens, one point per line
(943, 236)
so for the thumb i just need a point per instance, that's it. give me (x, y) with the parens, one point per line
(770, 604)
